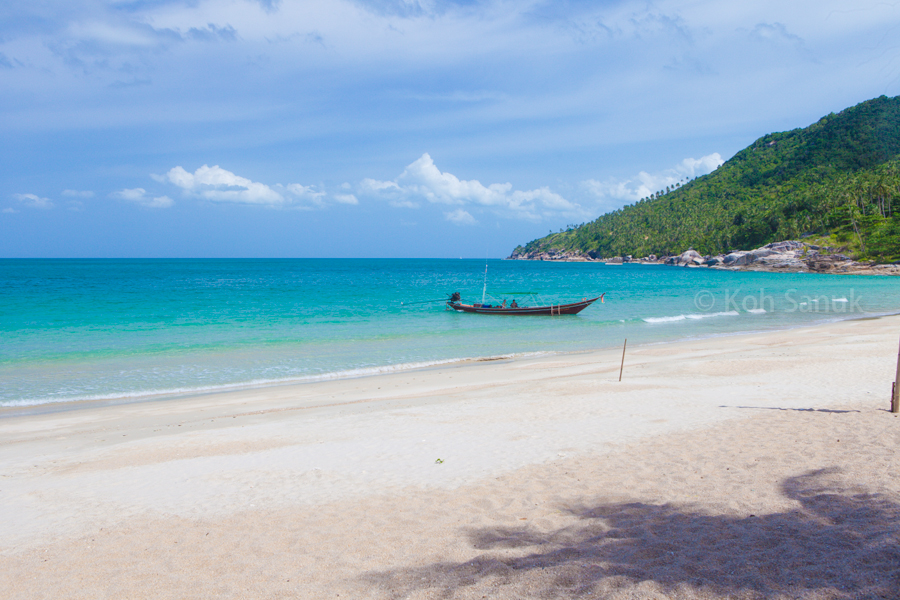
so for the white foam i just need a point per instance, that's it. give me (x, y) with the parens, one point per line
(757, 311)
(839, 300)
(695, 316)
(346, 374)
(664, 319)
(730, 313)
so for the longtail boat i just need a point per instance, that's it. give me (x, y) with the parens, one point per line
(553, 309)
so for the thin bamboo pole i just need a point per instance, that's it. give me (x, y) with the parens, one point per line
(622, 366)
(895, 397)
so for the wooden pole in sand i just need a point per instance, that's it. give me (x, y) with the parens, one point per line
(895, 397)
(622, 366)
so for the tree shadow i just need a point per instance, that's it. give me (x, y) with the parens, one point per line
(820, 410)
(839, 543)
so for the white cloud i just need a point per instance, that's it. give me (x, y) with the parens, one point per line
(460, 217)
(422, 180)
(139, 196)
(134, 195)
(33, 201)
(160, 202)
(624, 41)
(373, 185)
(644, 184)
(9, 210)
(132, 34)
(78, 194)
(218, 185)
(305, 192)
(694, 167)
(774, 31)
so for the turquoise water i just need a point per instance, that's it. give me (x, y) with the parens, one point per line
(74, 330)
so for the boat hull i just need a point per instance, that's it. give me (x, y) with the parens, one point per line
(555, 309)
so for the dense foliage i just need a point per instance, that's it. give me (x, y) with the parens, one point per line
(835, 182)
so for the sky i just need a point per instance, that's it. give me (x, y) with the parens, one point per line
(394, 128)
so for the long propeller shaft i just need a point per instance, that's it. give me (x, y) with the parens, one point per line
(424, 301)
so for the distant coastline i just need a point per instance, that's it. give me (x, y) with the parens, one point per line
(789, 256)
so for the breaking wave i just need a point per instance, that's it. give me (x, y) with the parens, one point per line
(730, 313)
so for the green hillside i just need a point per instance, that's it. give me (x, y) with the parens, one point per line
(835, 182)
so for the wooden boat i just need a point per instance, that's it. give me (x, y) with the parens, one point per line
(554, 309)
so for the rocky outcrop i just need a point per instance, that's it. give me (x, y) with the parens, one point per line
(552, 254)
(787, 256)
(687, 258)
(795, 256)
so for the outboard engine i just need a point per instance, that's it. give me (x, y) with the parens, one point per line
(455, 297)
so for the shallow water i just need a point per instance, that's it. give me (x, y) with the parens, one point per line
(93, 329)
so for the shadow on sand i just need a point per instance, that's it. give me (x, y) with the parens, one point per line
(817, 410)
(838, 543)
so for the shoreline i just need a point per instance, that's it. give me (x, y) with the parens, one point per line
(788, 256)
(49, 406)
(876, 269)
(442, 481)
(55, 406)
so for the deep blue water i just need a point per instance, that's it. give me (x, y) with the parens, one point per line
(87, 329)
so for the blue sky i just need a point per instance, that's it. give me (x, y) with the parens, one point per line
(393, 128)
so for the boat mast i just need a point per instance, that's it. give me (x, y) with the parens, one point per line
(484, 289)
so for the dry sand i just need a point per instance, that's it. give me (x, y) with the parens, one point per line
(754, 466)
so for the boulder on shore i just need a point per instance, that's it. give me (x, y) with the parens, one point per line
(796, 256)
(553, 254)
(737, 259)
(788, 255)
(688, 257)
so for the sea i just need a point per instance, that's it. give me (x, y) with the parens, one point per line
(128, 330)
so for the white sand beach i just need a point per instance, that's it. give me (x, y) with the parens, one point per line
(754, 466)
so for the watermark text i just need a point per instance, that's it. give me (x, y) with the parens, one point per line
(788, 301)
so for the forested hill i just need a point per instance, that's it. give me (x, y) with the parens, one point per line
(836, 182)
